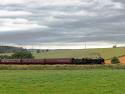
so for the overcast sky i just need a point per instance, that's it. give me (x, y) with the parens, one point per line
(30, 22)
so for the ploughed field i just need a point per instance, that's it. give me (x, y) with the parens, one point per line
(92, 81)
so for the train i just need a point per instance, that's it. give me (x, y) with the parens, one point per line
(52, 61)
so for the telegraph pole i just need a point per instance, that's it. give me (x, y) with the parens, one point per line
(85, 45)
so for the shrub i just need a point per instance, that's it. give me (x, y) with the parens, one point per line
(115, 60)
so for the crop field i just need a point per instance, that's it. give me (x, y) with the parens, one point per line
(94, 81)
(106, 53)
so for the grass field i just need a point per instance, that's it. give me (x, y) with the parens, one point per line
(106, 53)
(94, 81)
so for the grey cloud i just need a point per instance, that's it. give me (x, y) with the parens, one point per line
(69, 28)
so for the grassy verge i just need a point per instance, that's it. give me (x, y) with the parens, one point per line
(59, 67)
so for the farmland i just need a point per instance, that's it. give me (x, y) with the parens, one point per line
(93, 81)
(106, 53)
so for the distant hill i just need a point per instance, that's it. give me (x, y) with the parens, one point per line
(10, 49)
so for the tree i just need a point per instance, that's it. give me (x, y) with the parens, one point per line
(115, 60)
(37, 51)
(22, 55)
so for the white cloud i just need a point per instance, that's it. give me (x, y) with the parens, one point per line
(6, 2)
(57, 2)
(88, 3)
(78, 13)
(41, 2)
(7, 13)
(62, 2)
(105, 3)
(18, 25)
(96, 3)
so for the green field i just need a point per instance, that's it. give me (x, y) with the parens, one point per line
(94, 81)
(106, 53)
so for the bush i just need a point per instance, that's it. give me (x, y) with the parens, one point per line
(22, 55)
(115, 60)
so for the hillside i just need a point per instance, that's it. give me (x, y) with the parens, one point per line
(106, 53)
(10, 49)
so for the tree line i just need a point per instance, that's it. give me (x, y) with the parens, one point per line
(18, 55)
